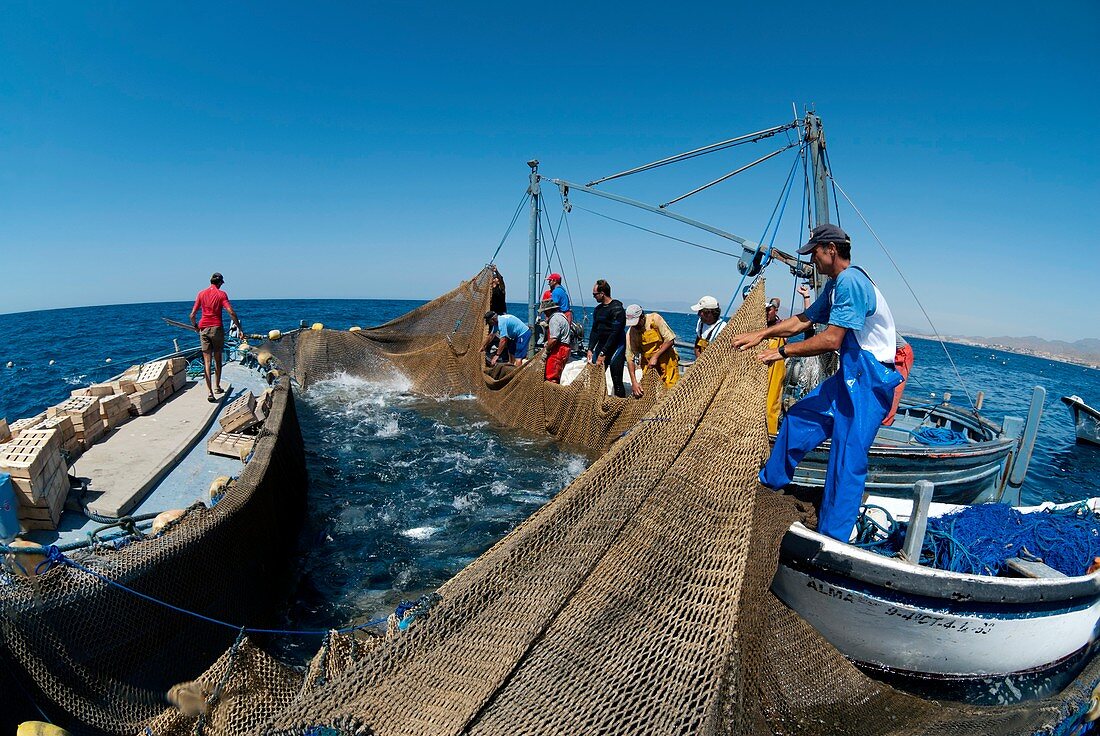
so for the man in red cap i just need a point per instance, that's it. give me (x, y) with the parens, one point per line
(559, 295)
(211, 301)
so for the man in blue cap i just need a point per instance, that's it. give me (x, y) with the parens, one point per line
(849, 406)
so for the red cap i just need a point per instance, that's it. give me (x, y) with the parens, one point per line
(554, 277)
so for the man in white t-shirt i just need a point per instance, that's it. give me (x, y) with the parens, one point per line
(710, 323)
(849, 406)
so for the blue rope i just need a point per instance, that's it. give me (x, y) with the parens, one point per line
(780, 206)
(939, 436)
(56, 557)
(979, 539)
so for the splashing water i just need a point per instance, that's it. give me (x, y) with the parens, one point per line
(405, 492)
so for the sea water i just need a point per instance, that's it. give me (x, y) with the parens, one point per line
(407, 490)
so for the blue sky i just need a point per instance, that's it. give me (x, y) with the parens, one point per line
(377, 150)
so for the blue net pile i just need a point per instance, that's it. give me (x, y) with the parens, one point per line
(979, 539)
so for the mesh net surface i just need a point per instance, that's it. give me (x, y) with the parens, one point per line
(636, 602)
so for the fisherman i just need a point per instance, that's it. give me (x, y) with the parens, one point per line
(606, 340)
(558, 340)
(559, 295)
(849, 406)
(211, 301)
(497, 300)
(777, 370)
(650, 337)
(903, 363)
(515, 336)
(709, 325)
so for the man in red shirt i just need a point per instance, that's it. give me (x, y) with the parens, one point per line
(211, 300)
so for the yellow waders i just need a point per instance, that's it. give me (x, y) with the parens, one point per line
(776, 374)
(668, 366)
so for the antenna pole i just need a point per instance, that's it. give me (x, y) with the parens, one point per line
(533, 237)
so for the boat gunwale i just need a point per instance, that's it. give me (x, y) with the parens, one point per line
(804, 547)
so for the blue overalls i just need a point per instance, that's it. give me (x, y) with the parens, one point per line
(847, 407)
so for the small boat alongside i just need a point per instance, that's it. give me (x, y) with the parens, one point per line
(1086, 419)
(980, 461)
(1023, 634)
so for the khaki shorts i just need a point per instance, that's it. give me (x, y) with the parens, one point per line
(212, 339)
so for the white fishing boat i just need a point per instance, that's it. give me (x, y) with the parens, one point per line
(1086, 420)
(982, 638)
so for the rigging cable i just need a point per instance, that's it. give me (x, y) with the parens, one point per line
(806, 208)
(730, 175)
(655, 232)
(784, 194)
(515, 217)
(911, 291)
(713, 147)
(573, 250)
(836, 200)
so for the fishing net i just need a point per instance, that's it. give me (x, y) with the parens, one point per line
(637, 601)
(93, 653)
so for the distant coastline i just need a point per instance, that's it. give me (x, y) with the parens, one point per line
(1088, 360)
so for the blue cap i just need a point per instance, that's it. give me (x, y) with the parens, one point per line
(827, 233)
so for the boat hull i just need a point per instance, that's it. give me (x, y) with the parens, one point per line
(971, 473)
(68, 636)
(1086, 420)
(937, 632)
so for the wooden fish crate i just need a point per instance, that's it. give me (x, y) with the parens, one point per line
(143, 402)
(20, 425)
(41, 488)
(114, 410)
(177, 366)
(46, 512)
(165, 391)
(84, 412)
(70, 443)
(240, 414)
(63, 423)
(123, 386)
(178, 380)
(30, 457)
(152, 375)
(231, 444)
(5, 431)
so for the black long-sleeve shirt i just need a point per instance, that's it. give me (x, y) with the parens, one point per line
(608, 329)
(497, 301)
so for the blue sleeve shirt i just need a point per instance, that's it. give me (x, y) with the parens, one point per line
(560, 297)
(846, 301)
(510, 326)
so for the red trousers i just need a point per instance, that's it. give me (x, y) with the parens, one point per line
(555, 363)
(903, 362)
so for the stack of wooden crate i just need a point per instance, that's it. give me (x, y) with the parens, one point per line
(66, 434)
(84, 411)
(148, 380)
(114, 410)
(232, 444)
(41, 481)
(5, 431)
(241, 415)
(177, 373)
(20, 425)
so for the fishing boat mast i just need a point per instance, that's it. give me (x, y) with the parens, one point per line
(533, 284)
(815, 141)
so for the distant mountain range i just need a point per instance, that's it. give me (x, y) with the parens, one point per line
(1085, 350)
